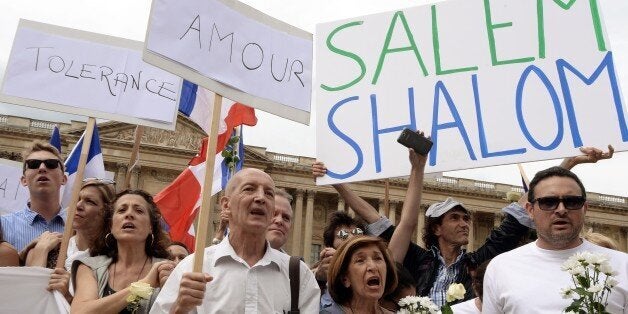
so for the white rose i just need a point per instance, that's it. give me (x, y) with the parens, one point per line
(455, 291)
(141, 289)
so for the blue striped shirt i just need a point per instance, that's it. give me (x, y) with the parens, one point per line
(22, 227)
(445, 277)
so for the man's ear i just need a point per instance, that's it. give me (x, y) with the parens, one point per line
(224, 203)
(65, 179)
(530, 209)
(23, 181)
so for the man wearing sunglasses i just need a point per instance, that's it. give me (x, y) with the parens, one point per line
(529, 279)
(43, 174)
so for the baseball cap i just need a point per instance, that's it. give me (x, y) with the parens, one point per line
(437, 209)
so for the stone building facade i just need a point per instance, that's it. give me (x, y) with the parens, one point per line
(164, 154)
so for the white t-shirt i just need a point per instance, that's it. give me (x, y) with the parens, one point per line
(238, 288)
(529, 280)
(466, 307)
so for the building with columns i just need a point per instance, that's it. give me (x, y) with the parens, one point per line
(164, 154)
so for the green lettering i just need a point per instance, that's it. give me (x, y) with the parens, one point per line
(595, 17)
(386, 50)
(436, 43)
(345, 53)
(490, 27)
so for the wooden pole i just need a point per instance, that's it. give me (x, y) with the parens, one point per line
(523, 175)
(76, 188)
(205, 211)
(137, 139)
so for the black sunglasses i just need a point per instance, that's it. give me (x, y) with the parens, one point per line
(49, 163)
(551, 202)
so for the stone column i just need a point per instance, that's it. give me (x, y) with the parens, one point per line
(341, 204)
(420, 226)
(309, 221)
(392, 215)
(382, 208)
(120, 176)
(625, 240)
(471, 244)
(297, 226)
(497, 219)
(135, 178)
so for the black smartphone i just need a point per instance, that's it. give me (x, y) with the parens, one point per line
(416, 141)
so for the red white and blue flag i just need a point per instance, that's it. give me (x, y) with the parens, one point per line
(179, 201)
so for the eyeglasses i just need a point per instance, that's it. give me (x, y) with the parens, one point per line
(344, 234)
(49, 163)
(100, 180)
(551, 202)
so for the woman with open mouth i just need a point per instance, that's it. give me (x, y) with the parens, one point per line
(361, 273)
(128, 261)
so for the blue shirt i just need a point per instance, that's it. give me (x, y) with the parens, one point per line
(22, 227)
(445, 277)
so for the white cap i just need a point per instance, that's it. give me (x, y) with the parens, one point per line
(437, 209)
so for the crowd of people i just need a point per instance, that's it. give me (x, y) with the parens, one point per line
(120, 260)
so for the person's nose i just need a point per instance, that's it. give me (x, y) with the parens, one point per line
(560, 209)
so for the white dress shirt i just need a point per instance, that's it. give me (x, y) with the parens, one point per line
(238, 288)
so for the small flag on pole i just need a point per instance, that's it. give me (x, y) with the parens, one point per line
(55, 138)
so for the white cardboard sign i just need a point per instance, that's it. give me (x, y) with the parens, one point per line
(492, 82)
(13, 196)
(72, 71)
(235, 51)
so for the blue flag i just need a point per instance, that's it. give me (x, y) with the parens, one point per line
(55, 138)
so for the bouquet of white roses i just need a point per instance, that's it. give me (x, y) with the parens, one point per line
(417, 305)
(593, 281)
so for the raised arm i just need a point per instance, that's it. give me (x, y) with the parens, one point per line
(589, 155)
(361, 207)
(408, 221)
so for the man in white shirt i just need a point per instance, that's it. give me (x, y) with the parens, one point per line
(529, 279)
(241, 274)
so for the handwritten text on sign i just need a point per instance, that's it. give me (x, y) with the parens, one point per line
(237, 46)
(49, 67)
(492, 82)
(13, 196)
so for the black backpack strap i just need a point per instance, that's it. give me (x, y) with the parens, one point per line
(294, 273)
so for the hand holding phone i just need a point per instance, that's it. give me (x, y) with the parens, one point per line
(419, 143)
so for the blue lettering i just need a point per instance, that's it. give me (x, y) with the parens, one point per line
(482, 133)
(377, 131)
(438, 88)
(608, 64)
(347, 139)
(555, 101)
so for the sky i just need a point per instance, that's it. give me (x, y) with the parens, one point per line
(128, 19)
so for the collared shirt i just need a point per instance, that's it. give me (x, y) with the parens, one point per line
(22, 227)
(445, 276)
(239, 288)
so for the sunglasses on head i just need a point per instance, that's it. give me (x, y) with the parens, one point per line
(551, 202)
(49, 163)
(99, 180)
(344, 234)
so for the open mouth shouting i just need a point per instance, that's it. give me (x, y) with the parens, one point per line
(129, 226)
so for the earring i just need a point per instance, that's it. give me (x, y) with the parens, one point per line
(107, 239)
(152, 239)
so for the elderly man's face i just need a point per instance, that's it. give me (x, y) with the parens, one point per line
(251, 201)
(560, 228)
(279, 229)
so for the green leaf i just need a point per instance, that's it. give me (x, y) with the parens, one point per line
(446, 309)
(225, 153)
(233, 140)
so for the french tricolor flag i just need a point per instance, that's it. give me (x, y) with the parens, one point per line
(179, 201)
(95, 167)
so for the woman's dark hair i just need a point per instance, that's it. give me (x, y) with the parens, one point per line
(340, 265)
(337, 219)
(477, 280)
(404, 281)
(106, 244)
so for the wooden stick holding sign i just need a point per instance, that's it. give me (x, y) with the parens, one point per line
(76, 188)
(134, 161)
(205, 212)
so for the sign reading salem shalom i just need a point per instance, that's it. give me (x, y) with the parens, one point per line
(492, 82)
